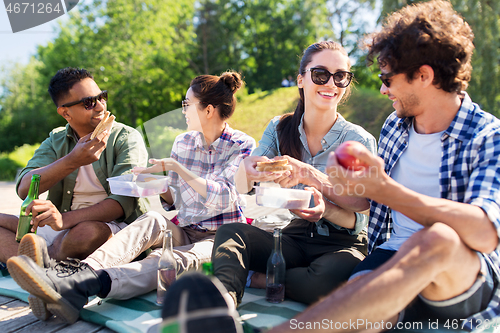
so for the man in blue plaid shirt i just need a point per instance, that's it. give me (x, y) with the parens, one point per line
(434, 189)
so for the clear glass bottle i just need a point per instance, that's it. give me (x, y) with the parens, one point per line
(24, 224)
(275, 275)
(167, 267)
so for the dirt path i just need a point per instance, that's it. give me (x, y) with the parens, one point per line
(10, 203)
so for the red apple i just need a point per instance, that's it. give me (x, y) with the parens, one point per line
(344, 157)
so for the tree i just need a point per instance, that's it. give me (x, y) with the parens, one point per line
(484, 18)
(145, 53)
(261, 38)
(23, 103)
(350, 20)
(146, 70)
(219, 43)
(275, 36)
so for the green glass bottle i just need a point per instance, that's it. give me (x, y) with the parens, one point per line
(207, 268)
(24, 225)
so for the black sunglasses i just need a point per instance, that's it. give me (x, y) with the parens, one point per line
(385, 78)
(321, 76)
(90, 102)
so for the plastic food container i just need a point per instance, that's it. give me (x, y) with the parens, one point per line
(145, 185)
(277, 197)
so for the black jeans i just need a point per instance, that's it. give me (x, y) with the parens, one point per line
(315, 264)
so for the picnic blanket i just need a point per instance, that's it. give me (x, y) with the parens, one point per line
(141, 314)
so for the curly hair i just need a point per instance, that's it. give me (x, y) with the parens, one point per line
(428, 33)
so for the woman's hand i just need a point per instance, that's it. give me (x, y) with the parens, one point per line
(315, 213)
(163, 165)
(301, 173)
(250, 164)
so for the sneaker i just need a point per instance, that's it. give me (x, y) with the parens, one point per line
(39, 308)
(197, 303)
(35, 247)
(64, 287)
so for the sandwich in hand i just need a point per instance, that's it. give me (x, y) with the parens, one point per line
(105, 124)
(273, 166)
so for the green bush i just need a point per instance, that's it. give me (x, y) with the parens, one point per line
(367, 108)
(23, 154)
(11, 162)
(8, 168)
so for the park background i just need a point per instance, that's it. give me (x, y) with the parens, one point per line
(145, 52)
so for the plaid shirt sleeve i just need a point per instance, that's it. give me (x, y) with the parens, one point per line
(483, 191)
(221, 191)
(391, 145)
(484, 182)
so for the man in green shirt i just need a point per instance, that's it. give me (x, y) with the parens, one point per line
(80, 212)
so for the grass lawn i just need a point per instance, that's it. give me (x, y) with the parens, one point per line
(253, 112)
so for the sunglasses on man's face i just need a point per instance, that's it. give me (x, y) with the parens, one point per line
(90, 102)
(385, 78)
(321, 76)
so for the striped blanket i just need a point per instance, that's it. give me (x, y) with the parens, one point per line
(141, 314)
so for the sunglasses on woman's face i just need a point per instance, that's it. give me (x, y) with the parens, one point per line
(186, 104)
(90, 102)
(321, 76)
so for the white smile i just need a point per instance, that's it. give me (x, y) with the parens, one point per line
(327, 93)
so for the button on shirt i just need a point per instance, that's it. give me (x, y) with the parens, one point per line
(469, 172)
(340, 132)
(217, 164)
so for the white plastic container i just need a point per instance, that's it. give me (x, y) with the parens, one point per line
(277, 197)
(145, 185)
